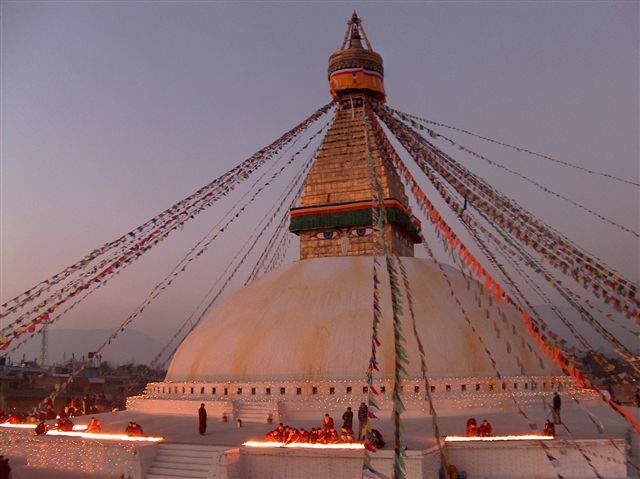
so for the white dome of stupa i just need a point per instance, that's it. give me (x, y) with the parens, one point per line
(311, 320)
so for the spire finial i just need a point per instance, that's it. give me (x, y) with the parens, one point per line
(352, 56)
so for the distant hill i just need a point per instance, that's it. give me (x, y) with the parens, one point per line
(129, 346)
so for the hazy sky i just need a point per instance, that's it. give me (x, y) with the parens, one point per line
(112, 111)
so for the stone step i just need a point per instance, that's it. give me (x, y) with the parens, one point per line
(185, 454)
(169, 476)
(174, 446)
(177, 461)
(177, 473)
(256, 405)
(183, 461)
(176, 458)
(182, 466)
(261, 414)
(255, 412)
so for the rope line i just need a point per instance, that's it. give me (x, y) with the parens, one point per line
(435, 135)
(517, 148)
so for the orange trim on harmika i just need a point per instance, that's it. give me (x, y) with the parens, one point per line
(339, 207)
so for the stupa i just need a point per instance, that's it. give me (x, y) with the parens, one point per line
(298, 338)
(295, 344)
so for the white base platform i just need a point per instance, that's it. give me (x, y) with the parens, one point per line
(219, 453)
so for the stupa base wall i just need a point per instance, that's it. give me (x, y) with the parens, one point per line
(526, 459)
(282, 463)
(522, 459)
(78, 457)
(257, 401)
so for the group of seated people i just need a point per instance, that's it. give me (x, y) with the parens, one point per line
(290, 435)
(484, 430)
(65, 424)
(13, 417)
(326, 434)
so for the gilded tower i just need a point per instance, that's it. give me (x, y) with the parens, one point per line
(334, 217)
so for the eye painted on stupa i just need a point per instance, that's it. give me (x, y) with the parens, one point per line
(361, 231)
(327, 235)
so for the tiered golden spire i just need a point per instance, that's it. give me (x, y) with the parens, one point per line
(334, 218)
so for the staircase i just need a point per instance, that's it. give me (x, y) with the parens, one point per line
(255, 411)
(184, 461)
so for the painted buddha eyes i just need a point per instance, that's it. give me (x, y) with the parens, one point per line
(361, 231)
(329, 235)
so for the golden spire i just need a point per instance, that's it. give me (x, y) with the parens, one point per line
(334, 217)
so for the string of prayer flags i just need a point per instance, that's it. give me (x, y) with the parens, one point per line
(538, 185)
(548, 348)
(407, 116)
(435, 217)
(297, 182)
(421, 151)
(504, 212)
(378, 221)
(423, 365)
(162, 226)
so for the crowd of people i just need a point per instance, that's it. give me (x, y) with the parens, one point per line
(327, 434)
(63, 423)
(89, 404)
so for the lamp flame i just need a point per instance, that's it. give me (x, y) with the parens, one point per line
(77, 432)
(77, 427)
(304, 445)
(104, 436)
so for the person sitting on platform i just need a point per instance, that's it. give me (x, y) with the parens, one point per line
(328, 423)
(346, 435)
(277, 435)
(64, 424)
(377, 439)
(41, 428)
(322, 436)
(133, 429)
(271, 436)
(291, 435)
(13, 418)
(313, 436)
(304, 435)
(485, 429)
(94, 426)
(331, 437)
(472, 427)
(549, 428)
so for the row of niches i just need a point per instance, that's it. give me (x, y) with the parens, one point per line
(438, 388)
